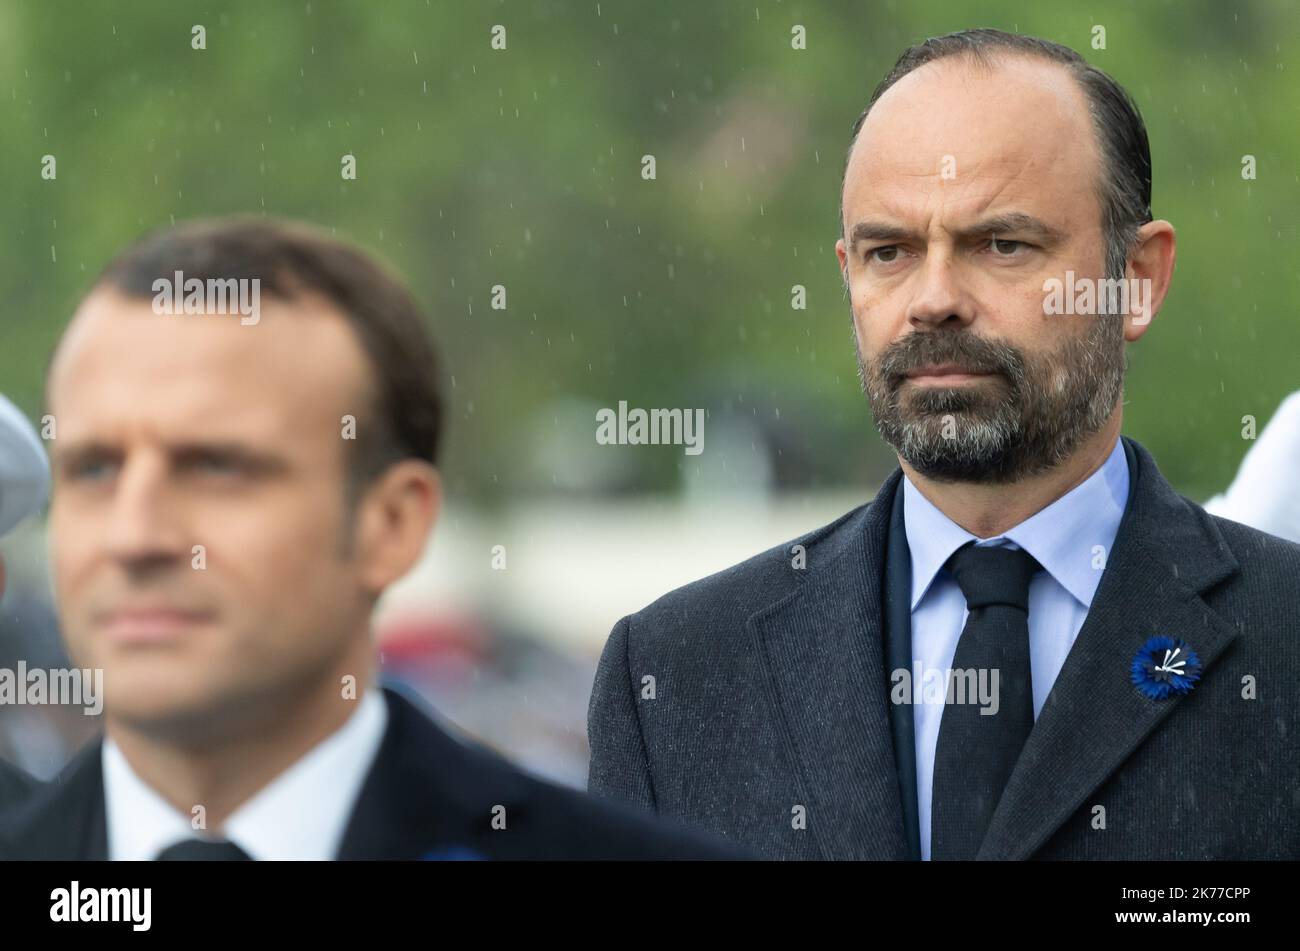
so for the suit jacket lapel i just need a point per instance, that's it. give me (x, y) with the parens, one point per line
(400, 811)
(823, 650)
(1162, 559)
(897, 614)
(425, 793)
(408, 805)
(64, 819)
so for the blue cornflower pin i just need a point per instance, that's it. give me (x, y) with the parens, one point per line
(1165, 666)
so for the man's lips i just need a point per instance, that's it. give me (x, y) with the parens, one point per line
(149, 625)
(944, 374)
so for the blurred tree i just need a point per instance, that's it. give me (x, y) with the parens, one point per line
(522, 167)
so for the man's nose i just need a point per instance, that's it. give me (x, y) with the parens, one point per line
(144, 524)
(939, 295)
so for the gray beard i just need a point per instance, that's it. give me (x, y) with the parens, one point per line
(1026, 420)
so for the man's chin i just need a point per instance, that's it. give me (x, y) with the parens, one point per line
(171, 701)
(935, 449)
(978, 398)
(970, 472)
(946, 430)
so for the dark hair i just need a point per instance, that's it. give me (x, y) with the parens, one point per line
(290, 259)
(1125, 186)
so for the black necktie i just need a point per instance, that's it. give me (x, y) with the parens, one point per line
(977, 751)
(203, 850)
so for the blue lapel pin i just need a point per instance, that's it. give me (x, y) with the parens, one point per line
(1165, 666)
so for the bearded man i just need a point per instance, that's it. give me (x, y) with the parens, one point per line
(1028, 645)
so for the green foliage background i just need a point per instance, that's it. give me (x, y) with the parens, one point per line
(522, 168)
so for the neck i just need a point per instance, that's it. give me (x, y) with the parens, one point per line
(990, 510)
(226, 767)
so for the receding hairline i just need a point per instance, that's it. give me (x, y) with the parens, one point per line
(987, 60)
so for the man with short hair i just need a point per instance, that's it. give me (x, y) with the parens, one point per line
(219, 540)
(24, 485)
(1028, 645)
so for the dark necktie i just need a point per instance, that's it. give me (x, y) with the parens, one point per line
(977, 751)
(203, 850)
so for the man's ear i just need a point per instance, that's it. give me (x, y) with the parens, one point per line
(395, 516)
(1152, 263)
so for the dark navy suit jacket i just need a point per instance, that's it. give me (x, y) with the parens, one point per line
(429, 795)
(770, 721)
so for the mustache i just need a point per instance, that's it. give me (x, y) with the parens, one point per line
(973, 353)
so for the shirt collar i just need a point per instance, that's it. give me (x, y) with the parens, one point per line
(1071, 538)
(302, 814)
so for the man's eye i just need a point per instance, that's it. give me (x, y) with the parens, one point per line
(885, 255)
(1006, 248)
(212, 465)
(90, 470)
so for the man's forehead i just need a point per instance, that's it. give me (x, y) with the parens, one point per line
(121, 366)
(1019, 122)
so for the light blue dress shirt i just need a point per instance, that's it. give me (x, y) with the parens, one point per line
(1071, 539)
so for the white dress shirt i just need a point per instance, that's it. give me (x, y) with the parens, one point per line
(1071, 539)
(302, 814)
